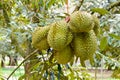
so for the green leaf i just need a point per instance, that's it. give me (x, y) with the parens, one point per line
(67, 14)
(61, 16)
(50, 3)
(103, 43)
(115, 36)
(1, 38)
(100, 11)
(22, 77)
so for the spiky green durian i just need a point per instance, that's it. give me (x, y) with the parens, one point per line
(84, 45)
(96, 26)
(59, 35)
(81, 21)
(116, 73)
(39, 38)
(64, 56)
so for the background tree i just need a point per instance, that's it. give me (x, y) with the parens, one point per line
(19, 18)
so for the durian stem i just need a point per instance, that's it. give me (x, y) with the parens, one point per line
(67, 6)
(30, 55)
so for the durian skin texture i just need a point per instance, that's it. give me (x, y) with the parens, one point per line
(64, 56)
(59, 35)
(39, 38)
(96, 25)
(84, 45)
(81, 21)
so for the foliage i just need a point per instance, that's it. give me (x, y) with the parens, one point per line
(20, 17)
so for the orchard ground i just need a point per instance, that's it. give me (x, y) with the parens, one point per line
(104, 75)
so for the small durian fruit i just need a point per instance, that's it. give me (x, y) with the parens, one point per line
(84, 45)
(59, 35)
(96, 26)
(39, 38)
(81, 21)
(64, 56)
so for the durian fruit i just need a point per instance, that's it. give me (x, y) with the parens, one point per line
(59, 35)
(84, 45)
(81, 21)
(39, 38)
(64, 56)
(96, 26)
(116, 73)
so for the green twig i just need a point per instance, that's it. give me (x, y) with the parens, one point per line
(31, 54)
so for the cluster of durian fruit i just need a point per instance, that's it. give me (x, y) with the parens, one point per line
(78, 37)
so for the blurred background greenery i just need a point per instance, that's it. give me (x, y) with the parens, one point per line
(19, 18)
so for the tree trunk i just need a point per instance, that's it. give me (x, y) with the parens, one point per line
(3, 61)
(28, 65)
(27, 71)
(12, 61)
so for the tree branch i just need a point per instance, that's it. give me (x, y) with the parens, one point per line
(78, 7)
(5, 14)
(114, 5)
(31, 54)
